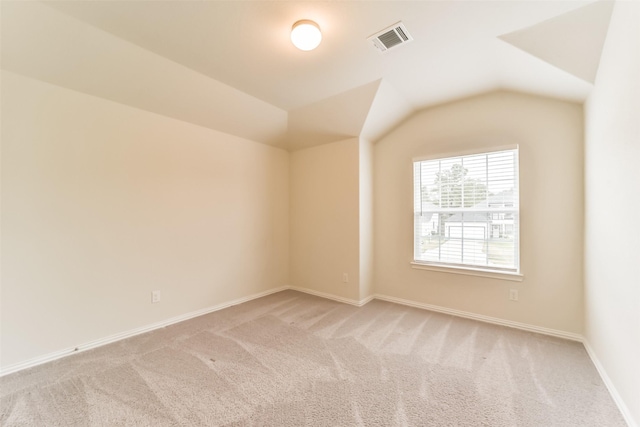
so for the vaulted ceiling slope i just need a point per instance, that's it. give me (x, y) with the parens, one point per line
(229, 65)
(572, 41)
(42, 43)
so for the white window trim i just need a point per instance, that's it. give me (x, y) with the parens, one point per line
(470, 270)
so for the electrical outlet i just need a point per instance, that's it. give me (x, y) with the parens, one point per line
(155, 297)
(513, 294)
(345, 277)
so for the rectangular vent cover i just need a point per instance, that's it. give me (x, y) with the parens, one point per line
(393, 36)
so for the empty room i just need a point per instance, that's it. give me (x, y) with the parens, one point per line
(320, 213)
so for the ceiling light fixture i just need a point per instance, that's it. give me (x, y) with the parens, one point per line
(306, 35)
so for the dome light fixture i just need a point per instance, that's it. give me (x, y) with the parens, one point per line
(306, 35)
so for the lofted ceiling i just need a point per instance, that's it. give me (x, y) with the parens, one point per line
(229, 65)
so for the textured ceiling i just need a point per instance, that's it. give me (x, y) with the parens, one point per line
(229, 65)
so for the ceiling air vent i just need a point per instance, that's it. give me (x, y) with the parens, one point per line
(393, 36)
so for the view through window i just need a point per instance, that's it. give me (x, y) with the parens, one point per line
(466, 211)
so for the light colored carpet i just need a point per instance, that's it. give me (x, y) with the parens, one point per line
(291, 359)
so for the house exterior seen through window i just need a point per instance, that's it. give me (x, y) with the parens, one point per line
(466, 211)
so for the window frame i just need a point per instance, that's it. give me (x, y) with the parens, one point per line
(514, 274)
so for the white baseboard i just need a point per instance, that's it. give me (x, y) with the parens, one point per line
(333, 297)
(6, 370)
(467, 315)
(607, 381)
(487, 319)
(367, 299)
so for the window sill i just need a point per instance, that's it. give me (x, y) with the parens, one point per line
(502, 275)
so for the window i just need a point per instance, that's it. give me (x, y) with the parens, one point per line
(466, 211)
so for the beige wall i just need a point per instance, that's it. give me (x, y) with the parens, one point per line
(324, 218)
(103, 203)
(365, 208)
(612, 236)
(550, 135)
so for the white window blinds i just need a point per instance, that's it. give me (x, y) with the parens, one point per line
(466, 211)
